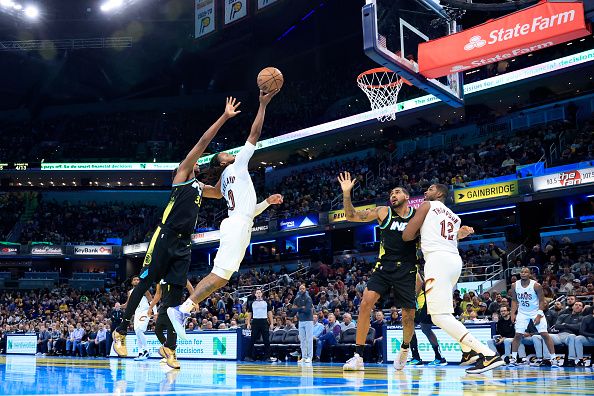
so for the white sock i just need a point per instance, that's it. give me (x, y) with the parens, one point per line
(187, 306)
(465, 349)
(141, 337)
(515, 355)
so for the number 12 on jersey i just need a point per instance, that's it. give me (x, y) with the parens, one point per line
(450, 228)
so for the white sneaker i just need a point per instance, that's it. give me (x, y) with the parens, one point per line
(400, 361)
(307, 360)
(354, 364)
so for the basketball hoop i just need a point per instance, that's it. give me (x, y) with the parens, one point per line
(382, 85)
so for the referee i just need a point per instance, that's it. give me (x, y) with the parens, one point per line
(259, 320)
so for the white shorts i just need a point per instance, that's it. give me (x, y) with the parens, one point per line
(141, 321)
(442, 270)
(522, 321)
(236, 232)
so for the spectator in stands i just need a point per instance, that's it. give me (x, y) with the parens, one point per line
(329, 337)
(568, 326)
(537, 254)
(570, 300)
(91, 344)
(77, 336)
(101, 340)
(581, 263)
(565, 286)
(553, 313)
(585, 338)
(505, 331)
(43, 336)
(54, 340)
(378, 326)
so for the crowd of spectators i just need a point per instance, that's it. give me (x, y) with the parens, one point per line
(11, 208)
(65, 222)
(70, 322)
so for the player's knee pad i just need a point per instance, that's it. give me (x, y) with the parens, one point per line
(449, 324)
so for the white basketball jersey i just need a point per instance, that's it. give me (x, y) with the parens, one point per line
(439, 232)
(528, 303)
(143, 305)
(236, 184)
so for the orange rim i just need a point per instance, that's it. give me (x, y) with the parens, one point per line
(382, 70)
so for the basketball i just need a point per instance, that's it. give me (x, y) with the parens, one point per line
(270, 79)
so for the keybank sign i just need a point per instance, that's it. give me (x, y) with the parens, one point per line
(24, 344)
(449, 348)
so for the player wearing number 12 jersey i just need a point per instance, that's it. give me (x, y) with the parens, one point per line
(237, 188)
(440, 230)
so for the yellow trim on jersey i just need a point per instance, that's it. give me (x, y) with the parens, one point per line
(168, 210)
(149, 252)
(382, 251)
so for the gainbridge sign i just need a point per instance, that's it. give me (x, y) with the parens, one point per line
(534, 28)
(488, 191)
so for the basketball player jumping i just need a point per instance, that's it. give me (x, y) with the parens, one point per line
(528, 299)
(169, 251)
(236, 229)
(440, 231)
(141, 319)
(396, 267)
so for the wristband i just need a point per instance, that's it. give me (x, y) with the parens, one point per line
(540, 313)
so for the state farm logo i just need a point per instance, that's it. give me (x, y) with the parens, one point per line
(458, 68)
(570, 178)
(538, 24)
(475, 42)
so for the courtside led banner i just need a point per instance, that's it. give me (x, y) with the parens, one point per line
(88, 250)
(298, 222)
(488, 191)
(534, 28)
(204, 237)
(204, 17)
(25, 344)
(215, 344)
(449, 348)
(335, 216)
(564, 179)
(100, 166)
(415, 202)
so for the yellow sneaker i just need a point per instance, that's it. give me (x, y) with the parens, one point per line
(119, 344)
(171, 358)
(162, 352)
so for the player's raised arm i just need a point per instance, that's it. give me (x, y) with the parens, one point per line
(351, 214)
(256, 130)
(274, 199)
(212, 192)
(187, 166)
(413, 228)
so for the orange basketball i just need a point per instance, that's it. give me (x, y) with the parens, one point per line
(270, 79)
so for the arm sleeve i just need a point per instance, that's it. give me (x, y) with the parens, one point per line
(261, 207)
(245, 154)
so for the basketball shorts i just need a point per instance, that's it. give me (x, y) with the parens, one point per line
(141, 320)
(522, 321)
(171, 296)
(236, 232)
(442, 271)
(168, 257)
(399, 276)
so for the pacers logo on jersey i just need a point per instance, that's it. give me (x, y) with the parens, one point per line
(398, 226)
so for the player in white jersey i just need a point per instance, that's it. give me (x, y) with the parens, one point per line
(528, 300)
(141, 320)
(237, 188)
(440, 230)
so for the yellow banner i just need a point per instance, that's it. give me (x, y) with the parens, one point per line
(335, 216)
(506, 189)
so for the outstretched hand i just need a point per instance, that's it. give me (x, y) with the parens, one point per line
(346, 182)
(275, 199)
(231, 107)
(265, 98)
(465, 231)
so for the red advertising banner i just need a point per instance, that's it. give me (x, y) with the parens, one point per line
(534, 28)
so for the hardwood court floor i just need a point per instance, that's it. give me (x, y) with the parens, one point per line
(28, 375)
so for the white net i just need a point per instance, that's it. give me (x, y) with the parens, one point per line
(381, 87)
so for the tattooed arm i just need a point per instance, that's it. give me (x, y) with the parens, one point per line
(351, 214)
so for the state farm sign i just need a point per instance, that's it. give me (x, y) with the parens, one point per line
(93, 250)
(532, 29)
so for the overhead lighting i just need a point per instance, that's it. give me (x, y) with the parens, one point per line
(111, 5)
(31, 12)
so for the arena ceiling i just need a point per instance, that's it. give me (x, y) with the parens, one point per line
(165, 59)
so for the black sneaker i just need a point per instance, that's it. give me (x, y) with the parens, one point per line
(468, 358)
(486, 363)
